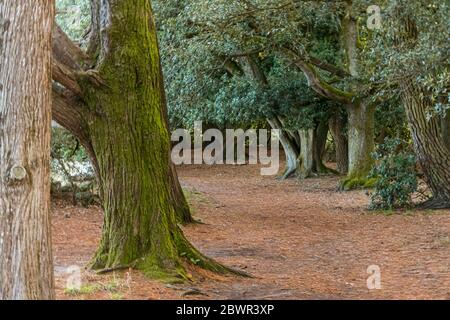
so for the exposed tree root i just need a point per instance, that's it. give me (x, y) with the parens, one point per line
(434, 204)
(168, 267)
(289, 172)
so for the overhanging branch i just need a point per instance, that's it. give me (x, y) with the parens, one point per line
(319, 85)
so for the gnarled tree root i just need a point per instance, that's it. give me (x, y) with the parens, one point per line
(169, 268)
(434, 204)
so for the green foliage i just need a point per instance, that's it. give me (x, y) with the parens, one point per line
(65, 146)
(395, 174)
(199, 39)
(73, 17)
(392, 53)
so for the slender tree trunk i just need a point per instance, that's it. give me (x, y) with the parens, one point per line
(432, 153)
(26, 267)
(361, 135)
(337, 127)
(306, 158)
(129, 133)
(320, 141)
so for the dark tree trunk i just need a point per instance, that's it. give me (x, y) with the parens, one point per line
(320, 141)
(337, 128)
(129, 133)
(122, 119)
(431, 150)
(26, 264)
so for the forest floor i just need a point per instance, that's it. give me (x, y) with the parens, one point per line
(298, 239)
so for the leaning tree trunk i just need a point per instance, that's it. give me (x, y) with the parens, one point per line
(26, 268)
(337, 127)
(129, 133)
(431, 151)
(320, 141)
(361, 135)
(290, 148)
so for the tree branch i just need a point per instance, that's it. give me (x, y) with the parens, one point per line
(329, 67)
(316, 82)
(70, 63)
(67, 52)
(67, 111)
(65, 76)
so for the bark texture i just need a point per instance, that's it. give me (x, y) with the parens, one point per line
(361, 143)
(26, 268)
(125, 114)
(70, 106)
(430, 147)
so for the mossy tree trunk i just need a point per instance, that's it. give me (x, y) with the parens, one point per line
(446, 129)
(122, 116)
(361, 135)
(129, 133)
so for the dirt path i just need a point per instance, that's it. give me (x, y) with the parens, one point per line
(299, 239)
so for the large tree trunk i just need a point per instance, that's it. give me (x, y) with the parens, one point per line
(26, 268)
(432, 153)
(337, 127)
(129, 133)
(361, 135)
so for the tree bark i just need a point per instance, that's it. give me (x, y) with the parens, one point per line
(320, 141)
(26, 267)
(431, 150)
(290, 148)
(128, 128)
(361, 135)
(69, 108)
(306, 158)
(337, 127)
(446, 129)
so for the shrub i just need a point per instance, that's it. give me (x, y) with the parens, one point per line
(396, 176)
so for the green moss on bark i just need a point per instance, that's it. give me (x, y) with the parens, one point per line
(129, 133)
